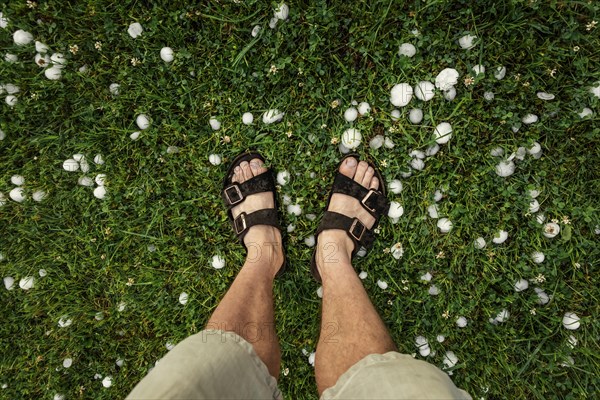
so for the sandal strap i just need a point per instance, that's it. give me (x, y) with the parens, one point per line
(371, 200)
(235, 193)
(356, 230)
(243, 222)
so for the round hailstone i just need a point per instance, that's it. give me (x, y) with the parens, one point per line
(415, 116)
(166, 54)
(440, 338)
(53, 73)
(64, 321)
(363, 275)
(282, 12)
(100, 179)
(417, 164)
(247, 118)
(310, 241)
(11, 58)
(500, 237)
(437, 195)
(294, 209)
(540, 218)
(42, 272)
(535, 148)
(27, 282)
(388, 143)
(443, 133)
(450, 94)
(283, 178)
(107, 381)
(119, 362)
(497, 151)
(396, 210)
(502, 316)
(183, 298)
(11, 89)
(571, 321)
(17, 180)
(256, 30)
(351, 138)
(433, 211)
(67, 362)
(461, 322)
(505, 168)
(22, 37)
(425, 90)
(450, 359)
(595, 90)
(135, 30)
(489, 96)
(545, 96)
(534, 206)
(59, 60)
(11, 100)
(272, 116)
(351, 114)
(467, 42)
(395, 114)
(521, 285)
(78, 157)
(218, 262)
(98, 159)
(551, 229)
(401, 94)
(42, 60)
(479, 243)
(533, 193)
(572, 341)
(426, 277)
(291, 228)
(17, 194)
(85, 181)
(214, 124)
(113, 88)
(407, 49)
(446, 79)
(376, 142)
(395, 186)
(445, 225)
(585, 112)
(364, 108)
(320, 292)
(538, 257)
(529, 119)
(142, 121)
(38, 195)
(382, 284)
(543, 297)
(500, 72)
(172, 150)
(478, 69)
(273, 22)
(2, 134)
(397, 251)
(9, 283)
(214, 159)
(100, 192)
(433, 290)
(135, 135)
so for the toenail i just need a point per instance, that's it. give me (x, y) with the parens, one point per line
(351, 162)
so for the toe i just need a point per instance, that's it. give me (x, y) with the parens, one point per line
(255, 166)
(366, 182)
(246, 170)
(348, 167)
(361, 170)
(374, 183)
(238, 175)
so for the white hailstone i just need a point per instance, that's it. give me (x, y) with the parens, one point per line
(533, 193)
(538, 257)
(98, 159)
(478, 69)
(388, 143)
(397, 251)
(585, 112)
(135, 135)
(218, 262)
(432, 150)
(294, 209)
(113, 88)
(100, 179)
(27, 282)
(351, 138)
(437, 195)
(58, 59)
(500, 237)
(17, 180)
(42, 272)
(78, 157)
(407, 49)
(2, 134)
(172, 150)
(401, 94)
(396, 210)
(543, 297)
(42, 60)
(551, 229)
(311, 358)
(505, 168)
(38, 195)
(595, 90)
(479, 243)
(67, 362)
(100, 192)
(11, 89)
(64, 321)
(529, 119)
(215, 124)
(597, 230)
(53, 73)
(502, 316)
(445, 225)
(382, 284)
(3, 21)
(84, 165)
(287, 200)
(425, 90)
(59, 396)
(107, 381)
(450, 359)
(11, 100)
(351, 114)
(395, 114)
(135, 30)
(521, 285)
(142, 121)
(500, 72)
(467, 41)
(256, 30)
(572, 341)
(535, 148)
(3, 202)
(417, 164)
(440, 338)
(247, 118)
(534, 206)
(22, 37)
(311, 217)
(364, 108)
(273, 22)
(183, 298)
(214, 159)
(433, 211)
(443, 133)
(121, 307)
(283, 178)
(395, 186)
(41, 47)
(363, 275)
(119, 362)
(320, 292)
(83, 69)
(461, 322)
(426, 277)
(85, 181)
(310, 241)
(272, 116)
(415, 116)
(497, 151)
(433, 290)
(282, 12)
(17, 194)
(489, 96)
(9, 283)
(12, 58)
(417, 154)
(446, 79)
(545, 96)
(450, 94)
(167, 54)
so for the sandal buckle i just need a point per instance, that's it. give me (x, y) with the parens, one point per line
(240, 223)
(366, 199)
(233, 194)
(357, 229)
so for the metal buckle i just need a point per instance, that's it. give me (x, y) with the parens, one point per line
(236, 223)
(237, 192)
(353, 228)
(364, 200)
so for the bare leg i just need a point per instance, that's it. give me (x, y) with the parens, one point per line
(247, 308)
(350, 326)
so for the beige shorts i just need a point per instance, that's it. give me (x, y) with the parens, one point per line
(221, 365)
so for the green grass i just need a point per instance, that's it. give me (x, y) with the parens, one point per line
(341, 51)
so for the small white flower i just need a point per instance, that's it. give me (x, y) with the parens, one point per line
(401, 94)
(443, 133)
(351, 138)
(445, 225)
(461, 322)
(521, 285)
(247, 118)
(218, 262)
(167, 54)
(467, 41)
(407, 49)
(424, 91)
(135, 30)
(283, 178)
(500, 237)
(183, 298)
(551, 229)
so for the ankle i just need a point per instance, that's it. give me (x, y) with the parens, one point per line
(334, 247)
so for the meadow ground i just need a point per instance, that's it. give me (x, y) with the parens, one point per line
(94, 269)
